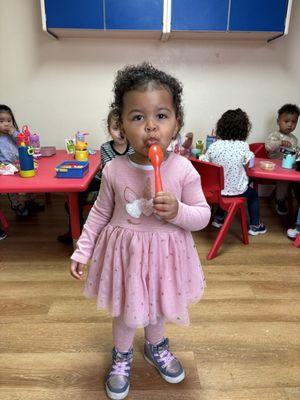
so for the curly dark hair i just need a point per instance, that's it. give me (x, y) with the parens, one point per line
(111, 117)
(289, 109)
(233, 125)
(6, 109)
(139, 77)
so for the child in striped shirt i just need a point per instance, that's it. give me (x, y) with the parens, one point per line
(117, 146)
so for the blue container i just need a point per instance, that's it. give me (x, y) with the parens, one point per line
(288, 161)
(26, 161)
(72, 169)
(210, 140)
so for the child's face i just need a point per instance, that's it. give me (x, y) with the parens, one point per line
(115, 133)
(287, 122)
(148, 118)
(6, 123)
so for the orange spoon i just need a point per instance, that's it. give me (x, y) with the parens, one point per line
(156, 157)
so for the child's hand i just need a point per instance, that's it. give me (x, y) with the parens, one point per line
(286, 143)
(165, 205)
(76, 269)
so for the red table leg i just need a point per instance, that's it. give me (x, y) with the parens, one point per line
(296, 243)
(74, 215)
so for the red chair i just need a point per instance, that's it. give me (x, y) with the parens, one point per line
(259, 150)
(212, 181)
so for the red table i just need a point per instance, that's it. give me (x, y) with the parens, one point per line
(45, 181)
(278, 174)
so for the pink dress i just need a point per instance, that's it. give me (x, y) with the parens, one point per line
(141, 267)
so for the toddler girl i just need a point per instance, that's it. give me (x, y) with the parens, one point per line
(233, 153)
(144, 265)
(117, 146)
(9, 155)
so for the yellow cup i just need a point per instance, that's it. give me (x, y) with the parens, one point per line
(81, 155)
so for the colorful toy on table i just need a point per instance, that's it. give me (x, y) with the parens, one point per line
(200, 145)
(72, 169)
(23, 136)
(81, 146)
(25, 156)
(198, 150)
(289, 157)
(187, 145)
(156, 157)
(70, 146)
(34, 141)
(210, 139)
(175, 144)
(30, 139)
(81, 153)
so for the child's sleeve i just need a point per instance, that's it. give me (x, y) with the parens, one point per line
(14, 135)
(273, 142)
(98, 218)
(193, 210)
(103, 156)
(248, 154)
(206, 156)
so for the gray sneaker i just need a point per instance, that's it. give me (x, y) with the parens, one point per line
(118, 379)
(164, 361)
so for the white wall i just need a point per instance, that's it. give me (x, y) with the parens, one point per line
(59, 87)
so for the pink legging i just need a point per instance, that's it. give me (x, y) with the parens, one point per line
(123, 335)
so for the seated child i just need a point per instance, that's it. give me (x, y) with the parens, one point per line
(232, 152)
(287, 121)
(9, 155)
(118, 146)
(292, 233)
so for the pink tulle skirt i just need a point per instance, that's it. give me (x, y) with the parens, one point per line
(145, 275)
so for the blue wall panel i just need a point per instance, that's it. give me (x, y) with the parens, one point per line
(76, 14)
(134, 14)
(258, 15)
(189, 15)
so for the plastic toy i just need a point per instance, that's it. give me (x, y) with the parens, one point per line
(25, 157)
(210, 140)
(289, 157)
(288, 160)
(25, 135)
(72, 169)
(156, 157)
(34, 141)
(70, 146)
(200, 145)
(195, 152)
(81, 153)
(80, 137)
(175, 144)
(187, 145)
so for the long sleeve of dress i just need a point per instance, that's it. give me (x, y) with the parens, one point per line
(98, 218)
(193, 210)
(273, 142)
